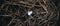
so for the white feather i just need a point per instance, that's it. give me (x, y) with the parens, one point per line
(29, 12)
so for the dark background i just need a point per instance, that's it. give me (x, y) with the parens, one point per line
(3, 23)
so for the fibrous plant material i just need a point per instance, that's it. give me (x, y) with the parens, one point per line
(29, 13)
